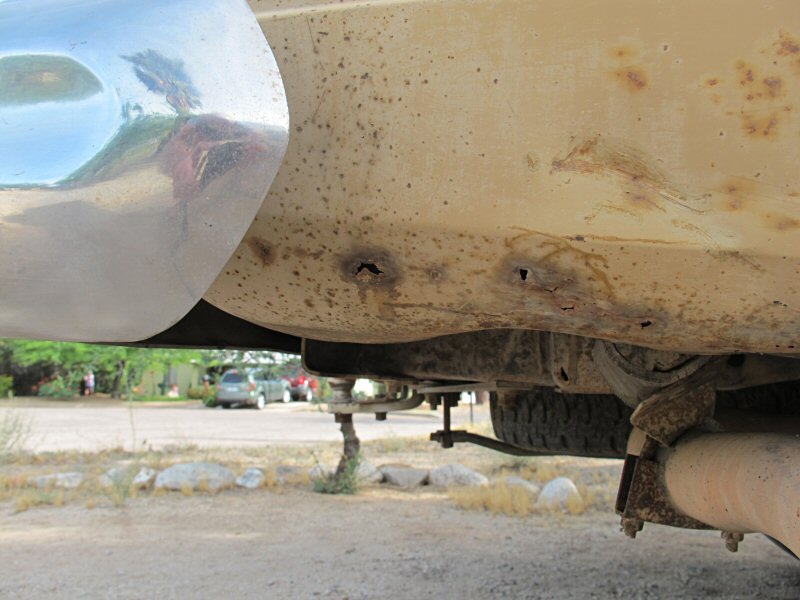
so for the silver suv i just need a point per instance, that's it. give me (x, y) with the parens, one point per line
(251, 388)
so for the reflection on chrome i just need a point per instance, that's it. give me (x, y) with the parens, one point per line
(137, 141)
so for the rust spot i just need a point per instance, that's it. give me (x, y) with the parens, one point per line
(623, 53)
(262, 250)
(436, 274)
(737, 191)
(760, 126)
(781, 222)
(756, 86)
(712, 81)
(646, 184)
(303, 253)
(632, 77)
(774, 86)
(759, 113)
(787, 45)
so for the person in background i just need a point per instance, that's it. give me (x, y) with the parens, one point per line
(89, 383)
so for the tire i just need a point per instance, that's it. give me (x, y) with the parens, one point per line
(544, 420)
(773, 399)
(224, 405)
(261, 402)
(286, 397)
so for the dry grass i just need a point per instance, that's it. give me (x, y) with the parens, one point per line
(496, 498)
(31, 497)
(15, 430)
(499, 498)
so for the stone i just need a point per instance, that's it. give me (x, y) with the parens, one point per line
(251, 479)
(404, 477)
(144, 478)
(211, 477)
(68, 481)
(368, 473)
(127, 476)
(115, 476)
(320, 472)
(560, 494)
(456, 474)
(512, 481)
(288, 475)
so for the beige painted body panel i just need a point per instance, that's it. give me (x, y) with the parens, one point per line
(624, 169)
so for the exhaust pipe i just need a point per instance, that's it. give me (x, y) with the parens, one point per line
(738, 483)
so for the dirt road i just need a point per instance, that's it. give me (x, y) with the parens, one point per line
(381, 544)
(93, 426)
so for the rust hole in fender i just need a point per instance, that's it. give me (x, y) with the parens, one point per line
(370, 267)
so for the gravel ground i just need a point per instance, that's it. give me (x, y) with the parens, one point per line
(382, 543)
(379, 544)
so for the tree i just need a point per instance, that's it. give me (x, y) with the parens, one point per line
(162, 75)
(117, 368)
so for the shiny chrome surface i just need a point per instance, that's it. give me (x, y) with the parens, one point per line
(137, 142)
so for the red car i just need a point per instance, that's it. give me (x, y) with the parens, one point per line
(303, 387)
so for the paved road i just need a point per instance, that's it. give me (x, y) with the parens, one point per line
(87, 427)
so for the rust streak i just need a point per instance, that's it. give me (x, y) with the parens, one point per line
(604, 157)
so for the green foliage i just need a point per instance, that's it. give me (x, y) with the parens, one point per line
(6, 385)
(209, 396)
(119, 369)
(135, 398)
(69, 80)
(56, 388)
(195, 393)
(116, 368)
(324, 392)
(345, 482)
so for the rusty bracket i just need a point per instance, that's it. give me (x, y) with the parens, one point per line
(662, 418)
(447, 437)
(447, 440)
(642, 496)
(670, 413)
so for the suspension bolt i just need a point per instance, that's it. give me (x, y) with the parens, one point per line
(732, 540)
(631, 526)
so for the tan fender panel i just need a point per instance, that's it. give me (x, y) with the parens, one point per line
(625, 171)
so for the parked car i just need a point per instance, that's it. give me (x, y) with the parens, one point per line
(302, 387)
(252, 388)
